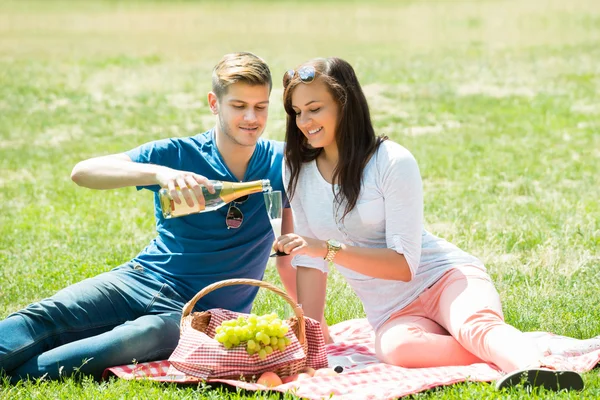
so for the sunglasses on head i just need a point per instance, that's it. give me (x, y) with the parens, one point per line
(307, 75)
(235, 217)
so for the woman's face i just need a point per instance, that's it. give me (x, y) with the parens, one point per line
(316, 113)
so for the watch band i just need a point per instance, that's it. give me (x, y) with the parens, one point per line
(332, 250)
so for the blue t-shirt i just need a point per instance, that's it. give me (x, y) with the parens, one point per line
(194, 251)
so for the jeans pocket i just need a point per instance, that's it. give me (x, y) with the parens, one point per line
(165, 300)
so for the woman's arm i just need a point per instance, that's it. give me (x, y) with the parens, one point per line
(287, 273)
(378, 263)
(310, 273)
(312, 289)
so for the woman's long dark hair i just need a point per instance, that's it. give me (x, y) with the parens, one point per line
(354, 133)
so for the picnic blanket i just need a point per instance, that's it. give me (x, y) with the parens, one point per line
(365, 377)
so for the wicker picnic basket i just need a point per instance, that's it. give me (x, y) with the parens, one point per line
(200, 320)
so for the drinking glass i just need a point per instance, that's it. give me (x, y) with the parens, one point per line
(274, 211)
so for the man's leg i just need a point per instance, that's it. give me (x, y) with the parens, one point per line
(151, 337)
(86, 309)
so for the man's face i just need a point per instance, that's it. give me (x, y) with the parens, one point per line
(242, 112)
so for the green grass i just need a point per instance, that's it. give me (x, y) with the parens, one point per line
(498, 101)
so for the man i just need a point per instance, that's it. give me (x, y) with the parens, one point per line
(132, 312)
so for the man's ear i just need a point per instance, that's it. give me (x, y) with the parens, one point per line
(213, 103)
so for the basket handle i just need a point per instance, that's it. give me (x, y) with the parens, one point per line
(189, 306)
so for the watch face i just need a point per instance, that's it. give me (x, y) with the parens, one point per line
(334, 243)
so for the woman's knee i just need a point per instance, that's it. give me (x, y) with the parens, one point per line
(402, 346)
(475, 328)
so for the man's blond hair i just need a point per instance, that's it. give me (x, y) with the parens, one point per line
(240, 67)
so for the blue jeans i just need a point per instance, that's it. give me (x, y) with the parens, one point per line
(112, 319)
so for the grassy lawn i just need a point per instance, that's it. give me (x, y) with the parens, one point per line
(498, 100)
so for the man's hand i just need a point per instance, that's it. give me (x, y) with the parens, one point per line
(295, 245)
(187, 182)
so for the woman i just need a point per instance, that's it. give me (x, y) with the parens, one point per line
(357, 202)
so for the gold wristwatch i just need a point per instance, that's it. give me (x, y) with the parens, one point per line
(333, 246)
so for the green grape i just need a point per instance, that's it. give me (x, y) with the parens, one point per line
(270, 317)
(230, 332)
(234, 340)
(281, 347)
(269, 331)
(274, 341)
(250, 351)
(245, 333)
(228, 345)
(220, 337)
(262, 322)
(262, 354)
(268, 349)
(287, 340)
(281, 343)
(251, 344)
(266, 339)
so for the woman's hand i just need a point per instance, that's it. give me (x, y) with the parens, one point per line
(296, 245)
(187, 182)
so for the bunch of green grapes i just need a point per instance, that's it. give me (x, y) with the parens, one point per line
(261, 334)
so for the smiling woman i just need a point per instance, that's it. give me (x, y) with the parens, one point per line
(358, 202)
(316, 115)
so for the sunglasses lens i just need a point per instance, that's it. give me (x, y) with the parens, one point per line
(287, 77)
(234, 217)
(242, 199)
(307, 74)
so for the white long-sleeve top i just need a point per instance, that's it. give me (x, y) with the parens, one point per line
(388, 214)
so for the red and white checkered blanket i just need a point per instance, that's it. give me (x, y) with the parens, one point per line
(364, 377)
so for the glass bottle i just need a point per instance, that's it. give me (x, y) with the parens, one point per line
(225, 192)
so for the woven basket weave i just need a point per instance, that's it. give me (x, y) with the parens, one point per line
(200, 320)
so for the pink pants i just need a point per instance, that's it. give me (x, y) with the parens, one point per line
(457, 321)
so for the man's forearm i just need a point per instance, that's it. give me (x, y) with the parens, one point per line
(114, 171)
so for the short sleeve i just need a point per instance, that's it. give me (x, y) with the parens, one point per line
(400, 181)
(159, 152)
(301, 227)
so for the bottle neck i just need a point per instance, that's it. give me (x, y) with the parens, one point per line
(235, 190)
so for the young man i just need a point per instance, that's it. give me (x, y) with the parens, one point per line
(132, 312)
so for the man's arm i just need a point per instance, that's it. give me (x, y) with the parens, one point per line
(114, 171)
(118, 171)
(287, 273)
